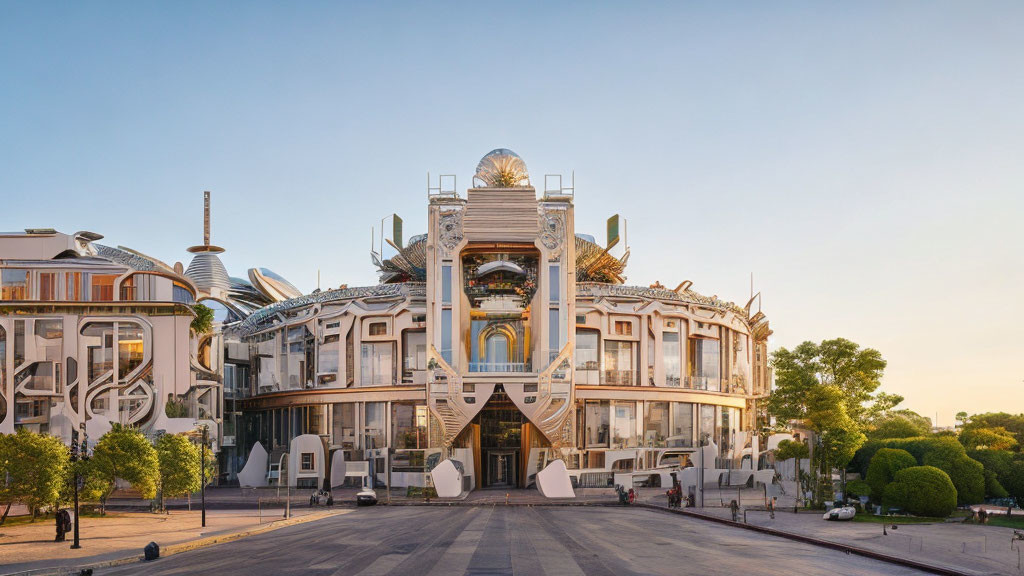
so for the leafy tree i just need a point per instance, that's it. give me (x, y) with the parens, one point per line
(179, 462)
(884, 402)
(792, 449)
(962, 418)
(923, 491)
(1013, 481)
(885, 464)
(126, 454)
(33, 467)
(1012, 423)
(899, 424)
(175, 408)
(997, 438)
(858, 488)
(203, 322)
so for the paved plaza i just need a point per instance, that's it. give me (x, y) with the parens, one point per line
(510, 540)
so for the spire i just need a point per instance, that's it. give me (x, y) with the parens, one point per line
(206, 246)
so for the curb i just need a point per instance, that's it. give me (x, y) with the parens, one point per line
(817, 542)
(173, 549)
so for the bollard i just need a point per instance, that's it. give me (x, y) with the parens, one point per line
(152, 551)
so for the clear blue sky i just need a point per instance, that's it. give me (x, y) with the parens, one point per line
(863, 160)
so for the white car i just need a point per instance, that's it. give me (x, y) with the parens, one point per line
(366, 497)
(844, 513)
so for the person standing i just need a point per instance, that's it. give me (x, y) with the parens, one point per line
(59, 517)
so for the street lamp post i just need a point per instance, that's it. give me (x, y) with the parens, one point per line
(202, 452)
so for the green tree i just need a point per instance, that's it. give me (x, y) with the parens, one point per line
(32, 469)
(179, 465)
(899, 424)
(1013, 482)
(962, 418)
(921, 490)
(792, 449)
(203, 322)
(885, 464)
(126, 454)
(858, 488)
(997, 438)
(1012, 423)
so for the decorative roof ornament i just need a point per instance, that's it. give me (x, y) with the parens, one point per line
(501, 168)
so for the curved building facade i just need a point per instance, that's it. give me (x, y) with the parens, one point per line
(503, 340)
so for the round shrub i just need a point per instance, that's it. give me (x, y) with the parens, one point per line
(883, 468)
(858, 488)
(968, 475)
(922, 491)
(792, 449)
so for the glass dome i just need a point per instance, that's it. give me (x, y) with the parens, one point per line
(502, 168)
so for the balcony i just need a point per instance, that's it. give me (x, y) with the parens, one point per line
(708, 383)
(618, 378)
(500, 367)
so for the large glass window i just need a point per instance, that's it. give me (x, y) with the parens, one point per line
(587, 361)
(597, 422)
(47, 286)
(618, 363)
(446, 284)
(446, 335)
(414, 353)
(374, 425)
(73, 286)
(705, 364)
(670, 355)
(624, 425)
(102, 287)
(682, 425)
(376, 366)
(655, 424)
(129, 348)
(14, 284)
(730, 423)
(182, 294)
(328, 354)
(344, 426)
(554, 287)
(707, 425)
(408, 425)
(19, 343)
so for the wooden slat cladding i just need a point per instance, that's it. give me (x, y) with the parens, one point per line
(501, 214)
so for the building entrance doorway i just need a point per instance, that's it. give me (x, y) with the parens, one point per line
(499, 446)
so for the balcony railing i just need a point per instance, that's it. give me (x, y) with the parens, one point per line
(618, 378)
(504, 367)
(704, 383)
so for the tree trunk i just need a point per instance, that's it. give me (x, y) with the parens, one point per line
(6, 511)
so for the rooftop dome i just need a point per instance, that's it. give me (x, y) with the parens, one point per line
(502, 168)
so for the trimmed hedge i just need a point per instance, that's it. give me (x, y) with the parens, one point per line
(884, 466)
(943, 452)
(922, 491)
(858, 488)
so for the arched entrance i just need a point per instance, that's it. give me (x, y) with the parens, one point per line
(499, 441)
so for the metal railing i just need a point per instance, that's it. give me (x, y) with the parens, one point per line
(499, 367)
(618, 378)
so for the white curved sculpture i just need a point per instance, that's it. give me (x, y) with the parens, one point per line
(338, 468)
(306, 444)
(447, 480)
(553, 481)
(254, 473)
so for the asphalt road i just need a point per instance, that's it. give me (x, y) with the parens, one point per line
(412, 540)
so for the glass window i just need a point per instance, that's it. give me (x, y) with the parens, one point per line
(73, 286)
(47, 286)
(408, 425)
(378, 328)
(705, 364)
(307, 462)
(344, 426)
(587, 361)
(129, 348)
(414, 351)
(553, 333)
(618, 363)
(446, 284)
(373, 425)
(376, 366)
(597, 423)
(102, 287)
(328, 354)
(554, 286)
(3, 358)
(446, 335)
(624, 425)
(730, 422)
(14, 284)
(655, 424)
(670, 355)
(707, 424)
(624, 327)
(19, 343)
(682, 425)
(182, 294)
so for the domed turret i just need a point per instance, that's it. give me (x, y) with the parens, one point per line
(501, 168)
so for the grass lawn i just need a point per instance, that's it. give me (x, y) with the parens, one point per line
(1016, 521)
